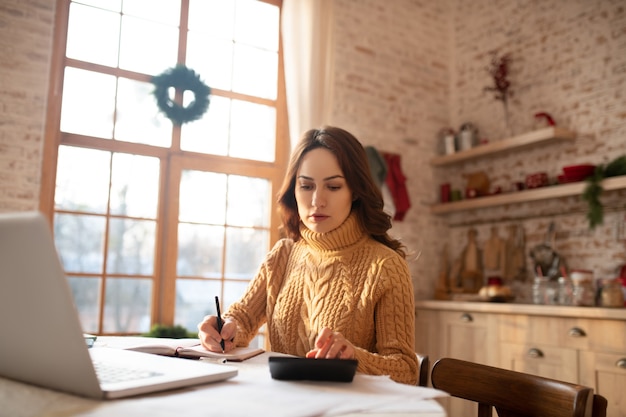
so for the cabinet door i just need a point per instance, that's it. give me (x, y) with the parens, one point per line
(606, 373)
(547, 361)
(427, 330)
(468, 336)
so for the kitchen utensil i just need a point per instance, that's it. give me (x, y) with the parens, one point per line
(546, 258)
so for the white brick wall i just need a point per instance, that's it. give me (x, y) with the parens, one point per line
(25, 44)
(405, 69)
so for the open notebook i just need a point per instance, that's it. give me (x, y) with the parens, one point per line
(183, 348)
(41, 339)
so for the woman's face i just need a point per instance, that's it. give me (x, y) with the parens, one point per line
(322, 194)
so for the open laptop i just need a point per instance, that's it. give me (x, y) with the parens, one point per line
(41, 340)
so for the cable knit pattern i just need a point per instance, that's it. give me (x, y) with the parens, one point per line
(344, 280)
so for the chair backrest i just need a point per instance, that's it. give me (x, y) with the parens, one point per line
(423, 369)
(599, 406)
(511, 393)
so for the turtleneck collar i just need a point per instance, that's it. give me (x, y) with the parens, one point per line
(347, 234)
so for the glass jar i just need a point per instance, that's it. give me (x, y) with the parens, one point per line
(612, 295)
(539, 290)
(583, 293)
(545, 291)
(565, 291)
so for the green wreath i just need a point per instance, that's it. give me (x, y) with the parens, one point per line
(181, 78)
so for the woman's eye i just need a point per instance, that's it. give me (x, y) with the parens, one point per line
(334, 187)
(306, 187)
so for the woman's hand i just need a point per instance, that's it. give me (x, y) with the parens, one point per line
(211, 338)
(331, 345)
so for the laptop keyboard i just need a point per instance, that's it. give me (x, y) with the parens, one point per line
(109, 373)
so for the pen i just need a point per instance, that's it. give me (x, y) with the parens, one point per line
(220, 322)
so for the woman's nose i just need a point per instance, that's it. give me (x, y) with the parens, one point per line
(318, 199)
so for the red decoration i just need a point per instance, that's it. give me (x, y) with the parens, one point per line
(547, 117)
(499, 70)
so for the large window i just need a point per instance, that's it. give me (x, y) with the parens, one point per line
(153, 219)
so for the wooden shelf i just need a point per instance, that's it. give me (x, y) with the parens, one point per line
(543, 193)
(548, 134)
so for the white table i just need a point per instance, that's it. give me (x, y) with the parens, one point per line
(251, 392)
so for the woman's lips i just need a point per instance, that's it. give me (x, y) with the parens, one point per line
(318, 217)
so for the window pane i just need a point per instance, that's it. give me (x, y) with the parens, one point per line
(214, 17)
(194, 300)
(210, 133)
(253, 131)
(135, 185)
(147, 47)
(80, 242)
(88, 103)
(138, 118)
(86, 292)
(200, 249)
(131, 246)
(257, 24)
(127, 305)
(115, 5)
(82, 182)
(93, 35)
(262, 81)
(212, 59)
(233, 290)
(202, 197)
(163, 11)
(245, 249)
(248, 201)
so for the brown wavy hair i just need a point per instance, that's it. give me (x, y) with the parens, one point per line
(368, 203)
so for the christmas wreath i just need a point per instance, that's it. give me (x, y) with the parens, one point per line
(181, 78)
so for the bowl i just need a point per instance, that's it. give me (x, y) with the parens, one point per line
(578, 172)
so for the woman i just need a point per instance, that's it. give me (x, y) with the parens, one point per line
(339, 285)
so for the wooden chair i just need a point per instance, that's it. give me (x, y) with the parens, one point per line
(423, 369)
(514, 394)
(599, 406)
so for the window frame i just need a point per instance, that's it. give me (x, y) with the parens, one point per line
(173, 160)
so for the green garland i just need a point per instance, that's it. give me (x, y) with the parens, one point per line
(181, 78)
(594, 189)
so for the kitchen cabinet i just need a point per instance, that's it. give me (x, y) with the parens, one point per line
(606, 373)
(466, 335)
(584, 345)
(537, 137)
(542, 345)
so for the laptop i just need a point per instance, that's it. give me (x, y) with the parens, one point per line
(41, 340)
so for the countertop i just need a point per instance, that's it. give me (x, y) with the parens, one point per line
(531, 309)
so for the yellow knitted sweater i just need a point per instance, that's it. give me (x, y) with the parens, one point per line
(343, 280)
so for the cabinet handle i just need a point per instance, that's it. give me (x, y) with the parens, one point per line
(621, 363)
(535, 353)
(466, 317)
(577, 332)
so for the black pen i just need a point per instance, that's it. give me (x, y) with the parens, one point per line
(220, 322)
